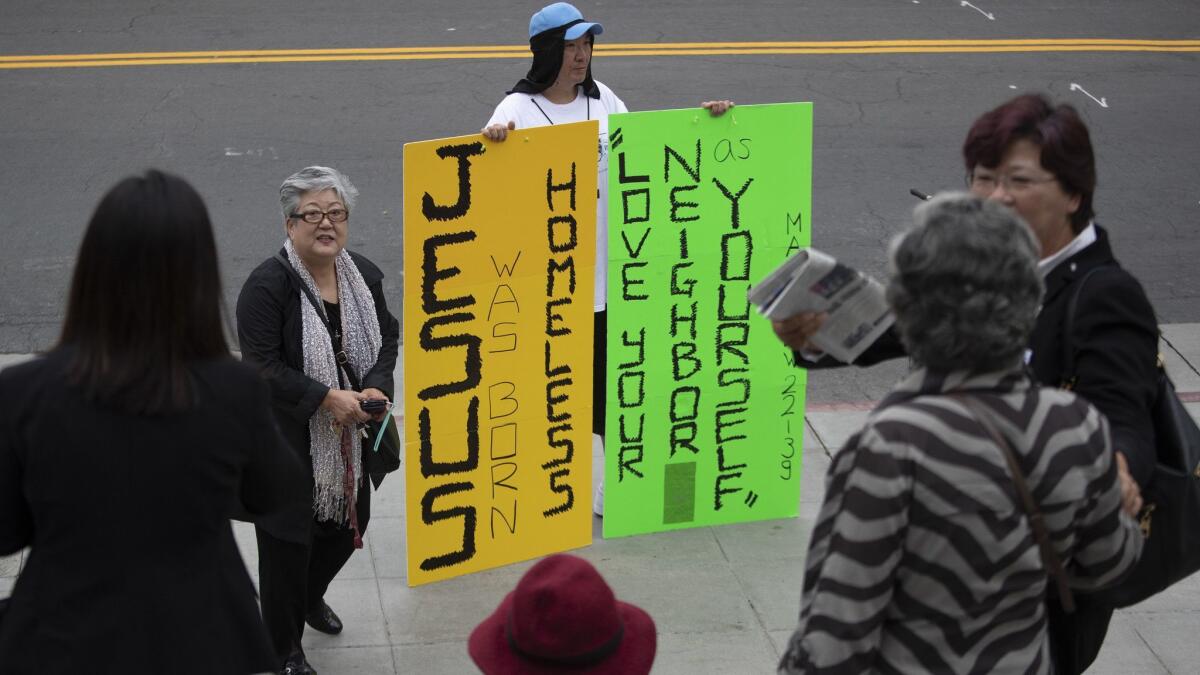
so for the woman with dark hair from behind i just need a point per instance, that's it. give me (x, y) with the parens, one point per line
(926, 557)
(125, 450)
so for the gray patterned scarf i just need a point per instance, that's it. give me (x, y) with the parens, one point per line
(361, 342)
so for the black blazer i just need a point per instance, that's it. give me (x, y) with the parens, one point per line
(269, 330)
(133, 566)
(1116, 342)
(1116, 347)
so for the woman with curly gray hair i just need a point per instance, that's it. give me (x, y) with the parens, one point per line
(965, 296)
(924, 557)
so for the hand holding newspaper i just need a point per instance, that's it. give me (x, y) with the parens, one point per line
(812, 281)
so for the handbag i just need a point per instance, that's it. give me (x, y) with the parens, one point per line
(1170, 515)
(383, 457)
(1050, 559)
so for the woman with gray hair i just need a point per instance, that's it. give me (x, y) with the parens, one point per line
(313, 319)
(925, 556)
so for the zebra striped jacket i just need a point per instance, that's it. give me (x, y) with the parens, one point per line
(922, 559)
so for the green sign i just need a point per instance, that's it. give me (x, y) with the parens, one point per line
(705, 410)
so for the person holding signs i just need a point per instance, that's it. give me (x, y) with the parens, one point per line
(559, 89)
(1037, 159)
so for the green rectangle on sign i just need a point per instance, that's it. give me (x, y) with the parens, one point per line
(679, 493)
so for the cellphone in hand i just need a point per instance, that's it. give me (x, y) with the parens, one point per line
(373, 405)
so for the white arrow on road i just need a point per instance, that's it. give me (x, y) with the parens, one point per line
(1101, 101)
(989, 15)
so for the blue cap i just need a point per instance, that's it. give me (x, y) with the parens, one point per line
(560, 14)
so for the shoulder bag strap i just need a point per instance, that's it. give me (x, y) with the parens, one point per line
(1050, 558)
(1069, 376)
(343, 361)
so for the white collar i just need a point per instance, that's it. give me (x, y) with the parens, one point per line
(1081, 241)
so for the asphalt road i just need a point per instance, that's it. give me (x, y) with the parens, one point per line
(884, 122)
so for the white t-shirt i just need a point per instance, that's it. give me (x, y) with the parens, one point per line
(537, 111)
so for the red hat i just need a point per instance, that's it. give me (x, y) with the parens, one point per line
(563, 617)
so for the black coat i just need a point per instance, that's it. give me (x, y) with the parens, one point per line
(133, 566)
(1116, 348)
(270, 329)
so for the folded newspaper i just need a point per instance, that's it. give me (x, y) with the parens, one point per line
(812, 281)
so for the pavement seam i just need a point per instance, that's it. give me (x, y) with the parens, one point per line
(721, 548)
(746, 593)
(817, 435)
(762, 626)
(1151, 649)
(387, 629)
(1179, 354)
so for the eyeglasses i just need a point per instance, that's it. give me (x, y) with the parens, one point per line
(315, 217)
(1015, 183)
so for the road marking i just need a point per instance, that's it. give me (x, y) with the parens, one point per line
(111, 60)
(254, 152)
(989, 15)
(1101, 101)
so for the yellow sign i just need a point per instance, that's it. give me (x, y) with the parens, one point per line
(499, 254)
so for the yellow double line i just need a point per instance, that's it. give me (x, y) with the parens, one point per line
(629, 49)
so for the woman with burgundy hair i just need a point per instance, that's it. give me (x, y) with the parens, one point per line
(1037, 159)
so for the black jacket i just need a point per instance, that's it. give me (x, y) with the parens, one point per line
(133, 566)
(1116, 347)
(269, 331)
(1116, 342)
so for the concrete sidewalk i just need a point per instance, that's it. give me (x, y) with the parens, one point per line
(724, 599)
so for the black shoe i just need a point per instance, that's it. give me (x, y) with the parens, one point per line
(296, 664)
(323, 619)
